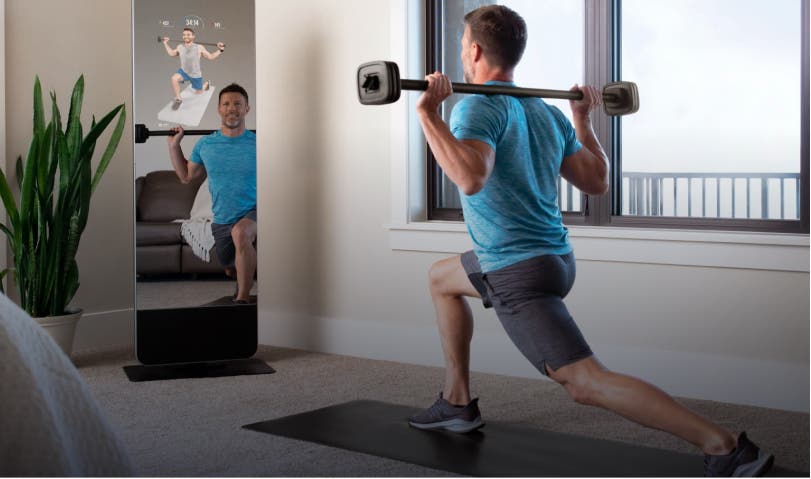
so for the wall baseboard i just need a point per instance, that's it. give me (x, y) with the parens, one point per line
(780, 385)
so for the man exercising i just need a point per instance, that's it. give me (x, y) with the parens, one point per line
(189, 53)
(504, 154)
(228, 157)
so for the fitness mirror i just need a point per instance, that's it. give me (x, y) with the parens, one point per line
(184, 53)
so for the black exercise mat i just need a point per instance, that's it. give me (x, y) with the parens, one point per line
(498, 449)
(213, 369)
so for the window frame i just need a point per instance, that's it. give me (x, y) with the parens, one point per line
(602, 57)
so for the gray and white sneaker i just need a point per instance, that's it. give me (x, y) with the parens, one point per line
(746, 460)
(444, 415)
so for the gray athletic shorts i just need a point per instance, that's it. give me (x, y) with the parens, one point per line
(528, 299)
(224, 244)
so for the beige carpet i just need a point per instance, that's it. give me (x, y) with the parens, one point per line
(192, 427)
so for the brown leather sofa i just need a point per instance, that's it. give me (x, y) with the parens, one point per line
(160, 199)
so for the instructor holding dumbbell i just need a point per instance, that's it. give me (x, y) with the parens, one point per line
(505, 154)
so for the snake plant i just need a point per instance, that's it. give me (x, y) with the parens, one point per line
(55, 183)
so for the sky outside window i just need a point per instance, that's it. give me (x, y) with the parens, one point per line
(719, 84)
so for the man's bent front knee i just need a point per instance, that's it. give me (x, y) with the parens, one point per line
(447, 277)
(436, 276)
(243, 234)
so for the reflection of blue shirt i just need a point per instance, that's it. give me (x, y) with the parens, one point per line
(231, 166)
(516, 215)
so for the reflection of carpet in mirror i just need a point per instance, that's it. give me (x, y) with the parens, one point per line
(155, 294)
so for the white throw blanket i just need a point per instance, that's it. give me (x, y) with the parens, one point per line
(50, 424)
(197, 229)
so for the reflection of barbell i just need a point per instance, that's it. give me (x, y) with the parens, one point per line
(160, 40)
(379, 83)
(142, 133)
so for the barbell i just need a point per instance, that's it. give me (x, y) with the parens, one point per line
(160, 40)
(142, 133)
(379, 83)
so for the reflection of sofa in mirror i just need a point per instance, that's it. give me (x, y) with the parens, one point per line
(160, 200)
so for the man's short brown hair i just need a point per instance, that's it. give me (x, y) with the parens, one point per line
(501, 32)
(233, 88)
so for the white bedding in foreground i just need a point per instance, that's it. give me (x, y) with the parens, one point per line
(50, 424)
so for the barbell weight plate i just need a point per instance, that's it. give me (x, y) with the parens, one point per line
(378, 83)
(620, 98)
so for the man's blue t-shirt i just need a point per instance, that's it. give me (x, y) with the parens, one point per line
(231, 166)
(516, 215)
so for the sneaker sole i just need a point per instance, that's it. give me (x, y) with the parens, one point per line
(756, 468)
(454, 425)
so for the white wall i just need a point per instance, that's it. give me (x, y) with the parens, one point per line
(722, 317)
(58, 41)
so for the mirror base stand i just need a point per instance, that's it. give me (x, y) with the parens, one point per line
(212, 369)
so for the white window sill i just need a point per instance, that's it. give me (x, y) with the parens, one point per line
(720, 249)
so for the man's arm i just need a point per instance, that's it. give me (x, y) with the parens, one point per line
(172, 52)
(186, 170)
(467, 163)
(587, 169)
(220, 49)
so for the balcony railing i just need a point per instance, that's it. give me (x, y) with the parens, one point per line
(719, 195)
(703, 195)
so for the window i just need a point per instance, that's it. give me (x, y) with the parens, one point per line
(721, 138)
(557, 31)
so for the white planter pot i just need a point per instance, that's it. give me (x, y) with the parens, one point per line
(61, 328)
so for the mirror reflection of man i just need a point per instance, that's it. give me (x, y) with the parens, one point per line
(228, 157)
(190, 71)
